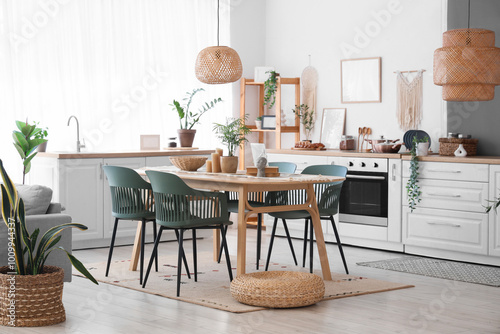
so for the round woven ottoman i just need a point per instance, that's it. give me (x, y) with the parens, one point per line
(278, 289)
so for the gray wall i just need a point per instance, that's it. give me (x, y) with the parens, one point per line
(480, 119)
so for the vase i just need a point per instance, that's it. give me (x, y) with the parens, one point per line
(32, 300)
(423, 149)
(229, 164)
(460, 151)
(42, 147)
(258, 124)
(186, 137)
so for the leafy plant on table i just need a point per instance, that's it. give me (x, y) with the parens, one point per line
(232, 134)
(187, 118)
(412, 187)
(306, 118)
(29, 259)
(270, 87)
(26, 140)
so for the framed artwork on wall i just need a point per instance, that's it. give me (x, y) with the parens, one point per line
(360, 80)
(268, 122)
(332, 127)
(150, 142)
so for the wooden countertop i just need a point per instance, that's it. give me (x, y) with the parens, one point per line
(476, 159)
(122, 154)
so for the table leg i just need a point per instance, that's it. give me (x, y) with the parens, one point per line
(320, 240)
(136, 250)
(242, 232)
(216, 234)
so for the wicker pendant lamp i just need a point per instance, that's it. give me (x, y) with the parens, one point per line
(468, 64)
(218, 64)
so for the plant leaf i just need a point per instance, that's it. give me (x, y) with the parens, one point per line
(20, 150)
(80, 267)
(19, 139)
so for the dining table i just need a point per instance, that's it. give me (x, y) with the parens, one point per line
(244, 185)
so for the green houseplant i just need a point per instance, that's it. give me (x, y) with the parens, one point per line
(258, 122)
(232, 135)
(42, 133)
(26, 141)
(306, 117)
(412, 187)
(270, 87)
(188, 118)
(27, 269)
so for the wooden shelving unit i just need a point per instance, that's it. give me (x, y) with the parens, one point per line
(277, 107)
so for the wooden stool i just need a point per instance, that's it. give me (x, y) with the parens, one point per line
(278, 289)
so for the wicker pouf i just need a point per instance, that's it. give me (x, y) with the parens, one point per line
(278, 289)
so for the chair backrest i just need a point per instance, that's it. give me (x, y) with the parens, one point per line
(131, 195)
(327, 194)
(284, 167)
(180, 206)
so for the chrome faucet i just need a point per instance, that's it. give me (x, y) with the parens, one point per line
(78, 145)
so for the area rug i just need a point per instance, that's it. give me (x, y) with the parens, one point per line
(457, 271)
(212, 288)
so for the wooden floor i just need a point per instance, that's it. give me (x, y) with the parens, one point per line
(433, 306)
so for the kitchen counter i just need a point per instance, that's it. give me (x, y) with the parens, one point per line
(490, 160)
(123, 154)
(337, 153)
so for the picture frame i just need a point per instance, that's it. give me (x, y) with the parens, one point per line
(150, 142)
(269, 122)
(361, 80)
(332, 127)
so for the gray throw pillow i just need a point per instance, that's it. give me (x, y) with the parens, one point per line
(36, 198)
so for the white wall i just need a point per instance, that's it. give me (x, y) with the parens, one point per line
(405, 39)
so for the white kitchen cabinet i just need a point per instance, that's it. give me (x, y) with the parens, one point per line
(394, 201)
(302, 161)
(494, 217)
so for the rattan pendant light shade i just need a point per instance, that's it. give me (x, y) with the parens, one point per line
(218, 65)
(468, 65)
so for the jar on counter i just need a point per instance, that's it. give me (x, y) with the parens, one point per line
(347, 143)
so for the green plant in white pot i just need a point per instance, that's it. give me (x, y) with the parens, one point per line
(412, 188)
(34, 288)
(232, 134)
(188, 118)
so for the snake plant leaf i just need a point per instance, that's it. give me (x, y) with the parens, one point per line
(34, 237)
(52, 233)
(80, 267)
(6, 207)
(21, 140)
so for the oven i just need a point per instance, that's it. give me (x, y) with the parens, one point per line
(364, 196)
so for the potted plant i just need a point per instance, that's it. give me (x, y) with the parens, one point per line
(187, 118)
(26, 141)
(232, 135)
(41, 133)
(306, 118)
(412, 187)
(258, 122)
(270, 87)
(32, 291)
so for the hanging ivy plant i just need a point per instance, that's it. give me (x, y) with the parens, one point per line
(412, 187)
(270, 86)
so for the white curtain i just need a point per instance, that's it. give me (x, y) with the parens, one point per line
(115, 64)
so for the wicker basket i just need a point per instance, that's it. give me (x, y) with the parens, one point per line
(448, 146)
(278, 289)
(37, 298)
(189, 163)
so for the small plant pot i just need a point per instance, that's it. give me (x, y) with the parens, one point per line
(423, 149)
(229, 164)
(186, 137)
(258, 124)
(42, 147)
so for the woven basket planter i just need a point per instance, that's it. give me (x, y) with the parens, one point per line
(448, 146)
(37, 298)
(278, 289)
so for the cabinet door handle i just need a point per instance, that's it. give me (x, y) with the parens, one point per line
(444, 171)
(394, 172)
(444, 195)
(443, 223)
(100, 170)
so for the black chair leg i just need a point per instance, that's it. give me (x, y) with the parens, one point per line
(183, 256)
(224, 246)
(155, 228)
(220, 249)
(110, 254)
(195, 256)
(143, 238)
(271, 243)
(304, 249)
(311, 245)
(289, 241)
(259, 238)
(155, 252)
(179, 261)
(339, 244)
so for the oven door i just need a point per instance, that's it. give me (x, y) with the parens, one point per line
(364, 197)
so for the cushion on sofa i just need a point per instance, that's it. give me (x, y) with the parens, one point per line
(36, 198)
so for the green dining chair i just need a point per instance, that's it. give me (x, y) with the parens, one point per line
(327, 198)
(257, 199)
(181, 207)
(131, 199)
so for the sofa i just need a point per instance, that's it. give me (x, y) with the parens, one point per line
(42, 214)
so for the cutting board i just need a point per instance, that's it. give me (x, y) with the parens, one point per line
(270, 171)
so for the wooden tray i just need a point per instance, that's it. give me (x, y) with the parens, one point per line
(309, 149)
(269, 172)
(181, 148)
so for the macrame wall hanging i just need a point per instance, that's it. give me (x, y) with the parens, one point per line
(309, 81)
(409, 104)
